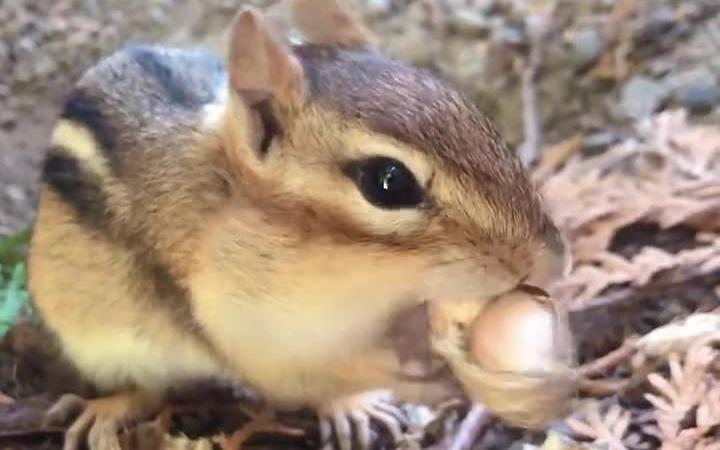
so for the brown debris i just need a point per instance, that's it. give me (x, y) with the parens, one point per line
(643, 221)
(664, 178)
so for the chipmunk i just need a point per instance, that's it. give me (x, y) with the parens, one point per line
(268, 217)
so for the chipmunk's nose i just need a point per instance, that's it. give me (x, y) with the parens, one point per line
(552, 260)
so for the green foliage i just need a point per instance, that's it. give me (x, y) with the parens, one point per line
(14, 300)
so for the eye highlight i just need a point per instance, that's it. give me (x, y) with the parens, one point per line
(385, 182)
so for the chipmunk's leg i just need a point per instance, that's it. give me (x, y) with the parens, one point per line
(357, 412)
(100, 420)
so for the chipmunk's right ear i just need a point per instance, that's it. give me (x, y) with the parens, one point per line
(331, 22)
(259, 67)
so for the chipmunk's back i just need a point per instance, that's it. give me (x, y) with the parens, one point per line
(125, 189)
(132, 98)
(123, 153)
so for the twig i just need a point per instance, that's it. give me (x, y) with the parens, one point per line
(610, 360)
(664, 282)
(606, 428)
(608, 387)
(31, 432)
(604, 388)
(556, 155)
(475, 420)
(529, 150)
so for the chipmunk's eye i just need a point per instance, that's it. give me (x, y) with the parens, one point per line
(385, 182)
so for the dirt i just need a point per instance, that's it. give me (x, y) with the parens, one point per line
(21, 153)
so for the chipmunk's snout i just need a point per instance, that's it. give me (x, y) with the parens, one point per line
(482, 268)
(552, 260)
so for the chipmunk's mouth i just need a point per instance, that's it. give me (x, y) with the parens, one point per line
(512, 352)
(409, 335)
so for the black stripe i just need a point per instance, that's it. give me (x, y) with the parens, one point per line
(175, 299)
(77, 187)
(82, 190)
(172, 81)
(84, 108)
(167, 289)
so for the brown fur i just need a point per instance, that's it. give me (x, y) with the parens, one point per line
(218, 257)
(415, 108)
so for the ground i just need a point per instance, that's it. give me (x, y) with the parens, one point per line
(612, 103)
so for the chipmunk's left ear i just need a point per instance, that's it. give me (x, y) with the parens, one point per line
(330, 22)
(259, 66)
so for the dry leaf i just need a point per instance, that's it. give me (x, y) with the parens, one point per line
(666, 176)
(606, 429)
(690, 392)
(677, 337)
(555, 155)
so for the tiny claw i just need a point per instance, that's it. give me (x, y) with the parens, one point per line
(64, 410)
(325, 434)
(362, 426)
(78, 431)
(343, 430)
(356, 413)
(104, 435)
(389, 421)
(97, 422)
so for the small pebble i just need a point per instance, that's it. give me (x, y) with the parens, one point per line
(511, 35)
(378, 7)
(469, 22)
(8, 122)
(587, 45)
(596, 143)
(641, 97)
(660, 68)
(15, 193)
(700, 98)
(658, 22)
(488, 6)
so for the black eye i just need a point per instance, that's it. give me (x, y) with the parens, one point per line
(385, 182)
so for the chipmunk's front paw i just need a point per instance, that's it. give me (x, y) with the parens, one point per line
(98, 421)
(355, 413)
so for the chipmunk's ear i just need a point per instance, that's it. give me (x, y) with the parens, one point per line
(259, 66)
(330, 22)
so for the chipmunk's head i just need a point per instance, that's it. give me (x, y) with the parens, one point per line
(367, 181)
